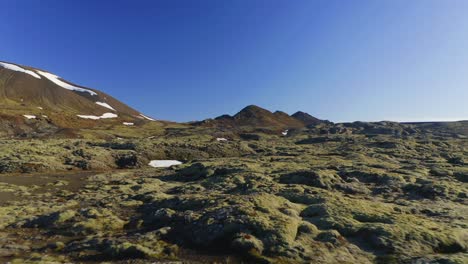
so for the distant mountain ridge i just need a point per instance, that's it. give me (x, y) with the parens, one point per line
(36, 103)
(256, 117)
(306, 118)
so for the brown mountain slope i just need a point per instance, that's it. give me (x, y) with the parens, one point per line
(306, 118)
(17, 88)
(30, 96)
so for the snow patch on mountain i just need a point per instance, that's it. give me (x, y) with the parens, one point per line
(30, 116)
(128, 123)
(103, 116)
(19, 69)
(148, 118)
(55, 79)
(105, 105)
(89, 117)
(109, 115)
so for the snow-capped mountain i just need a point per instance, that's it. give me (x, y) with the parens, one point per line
(34, 94)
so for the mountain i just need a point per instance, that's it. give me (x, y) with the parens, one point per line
(306, 119)
(255, 117)
(29, 96)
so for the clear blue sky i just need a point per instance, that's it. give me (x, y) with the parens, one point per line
(189, 60)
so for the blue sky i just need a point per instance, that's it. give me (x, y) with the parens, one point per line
(188, 60)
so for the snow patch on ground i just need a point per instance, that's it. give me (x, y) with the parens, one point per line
(148, 118)
(30, 116)
(40, 108)
(105, 105)
(285, 133)
(164, 163)
(103, 116)
(55, 79)
(221, 139)
(128, 123)
(19, 69)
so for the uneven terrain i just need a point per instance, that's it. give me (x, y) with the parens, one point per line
(330, 193)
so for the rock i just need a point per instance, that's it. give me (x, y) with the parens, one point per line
(194, 172)
(247, 244)
(97, 220)
(127, 161)
(441, 172)
(331, 236)
(117, 145)
(316, 140)
(314, 210)
(51, 220)
(127, 250)
(82, 164)
(161, 216)
(58, 246)
(457, 160)
(11, 250)
(321, 179)
(7, 252)
(427, 190)
(308, 228)
(462, 176)
(246, 136)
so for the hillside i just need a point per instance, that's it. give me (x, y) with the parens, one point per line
(35, 101)
(306, 118)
